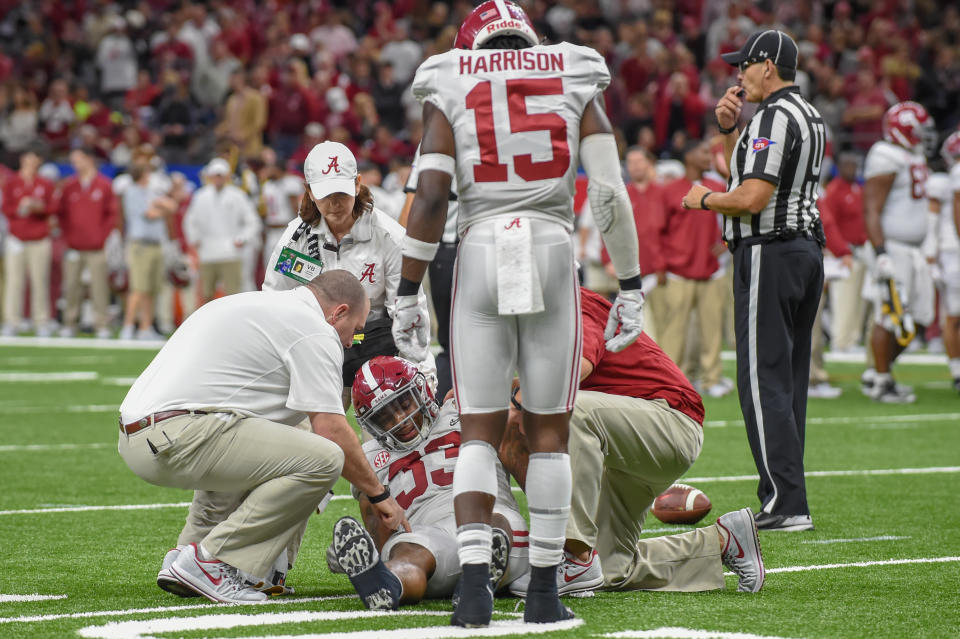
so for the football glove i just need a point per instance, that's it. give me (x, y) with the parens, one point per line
(627, 314)
(883, 267)
(411, 330)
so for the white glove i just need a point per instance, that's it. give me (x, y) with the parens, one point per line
(627, 313)
(883, 267)
(411, 331)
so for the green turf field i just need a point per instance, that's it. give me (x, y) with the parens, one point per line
(78, 526)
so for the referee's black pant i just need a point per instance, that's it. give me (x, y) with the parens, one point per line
(776, 291)
(441, 290)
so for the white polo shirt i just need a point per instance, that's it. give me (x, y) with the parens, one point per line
(264, 354)
(216, 221)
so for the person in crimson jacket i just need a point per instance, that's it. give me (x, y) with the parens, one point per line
(844, 197)
(637, 426)
(27, 202)
(87, 210)
(690, 243)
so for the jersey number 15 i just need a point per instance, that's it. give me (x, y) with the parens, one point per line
(490, 169)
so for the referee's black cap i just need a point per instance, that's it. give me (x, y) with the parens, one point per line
(771, 44)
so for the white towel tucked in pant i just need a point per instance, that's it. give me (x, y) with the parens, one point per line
(518, 282)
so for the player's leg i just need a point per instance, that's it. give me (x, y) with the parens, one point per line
(413, 565)
(950, 297)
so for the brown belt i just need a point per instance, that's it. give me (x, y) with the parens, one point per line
(150, 420)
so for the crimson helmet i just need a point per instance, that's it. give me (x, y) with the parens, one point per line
(491, 19)
(178, 274)
(119, 280)
(950, 150)
(909, 125)
(389, 394)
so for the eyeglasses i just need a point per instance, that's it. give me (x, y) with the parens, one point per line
(747, 63)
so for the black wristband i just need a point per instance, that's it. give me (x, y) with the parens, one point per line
(376, 499)
(513, 399)
(408, 287)
(703, 201)
(879, 250)
(634, 283)
(726, 131)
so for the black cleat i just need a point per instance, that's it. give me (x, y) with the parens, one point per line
(378, 588)
(543, 602)
(474, 605)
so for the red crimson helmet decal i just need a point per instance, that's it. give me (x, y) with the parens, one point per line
(950, 150)
(491, 19)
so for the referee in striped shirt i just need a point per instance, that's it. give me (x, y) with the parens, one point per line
(772, 227)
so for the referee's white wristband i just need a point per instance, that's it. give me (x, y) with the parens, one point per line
(436, 162)
(418, 249)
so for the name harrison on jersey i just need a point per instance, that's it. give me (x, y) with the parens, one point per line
(509, 60)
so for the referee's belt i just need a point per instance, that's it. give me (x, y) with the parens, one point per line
(781, 235)
(155, 418)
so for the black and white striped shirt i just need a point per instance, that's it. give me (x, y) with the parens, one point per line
(782, 144)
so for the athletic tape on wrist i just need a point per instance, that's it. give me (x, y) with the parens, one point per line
(418, 249)
(437, 162)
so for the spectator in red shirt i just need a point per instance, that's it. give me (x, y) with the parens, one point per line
(56, 115)
(690, 243)
(865, 109)
(143, 93)
(636, 427)
(678, 109)
(844, 197)
(289, 113)
(88, 212)
(27, 203)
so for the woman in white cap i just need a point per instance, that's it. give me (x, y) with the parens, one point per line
(339, 228)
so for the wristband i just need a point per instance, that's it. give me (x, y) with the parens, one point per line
(634, 283)
(513, 399)
(376, 499)
(726, 131)
(407, 287)
(879, 250)
(703, 201)
(418, 249)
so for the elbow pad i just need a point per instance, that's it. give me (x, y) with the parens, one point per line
(609, 202)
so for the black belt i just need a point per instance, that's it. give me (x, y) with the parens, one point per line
(782, 235)
(150, 420)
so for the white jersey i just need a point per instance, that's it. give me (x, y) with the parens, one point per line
(515, 116)
(421, 480)
(904, 214)
(276, 200)
(370, 251)
(943, 187)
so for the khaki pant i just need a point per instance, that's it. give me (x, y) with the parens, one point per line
(22, 260)
(652, 316)
(849, 307)
(680, 297)
(146, 267)
(285, 471)
(624, 452)
(818, 372)
(74, 263)
(213, 273)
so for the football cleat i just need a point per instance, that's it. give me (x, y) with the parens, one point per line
(167, 581)
(473, 607)
(377, 587)
(785, 523)
(212, 578)
(741, 553)
(543, 602)
(889, 392)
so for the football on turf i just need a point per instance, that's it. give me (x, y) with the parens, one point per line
(681, 504)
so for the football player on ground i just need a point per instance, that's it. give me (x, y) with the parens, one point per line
(637, 426)
(895, 212)
(414, 447)
(944, 192)
(513, 119)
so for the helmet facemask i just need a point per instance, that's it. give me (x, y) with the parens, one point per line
(401, 420)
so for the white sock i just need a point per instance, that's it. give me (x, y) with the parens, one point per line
(882, 378)
(954, 364)
(474, 543)
(549, 487)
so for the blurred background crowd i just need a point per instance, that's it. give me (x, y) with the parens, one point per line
(145, 94)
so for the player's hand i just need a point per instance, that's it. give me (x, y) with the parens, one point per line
(627, 314)
(391, 515)
(883, 267)
(729, 107)
(693, 197)
(410, 329)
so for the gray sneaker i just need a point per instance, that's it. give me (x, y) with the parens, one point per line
(213, 579)
(167, 581)
(741, 554)
(573, 576)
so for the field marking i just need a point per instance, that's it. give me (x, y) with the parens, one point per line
(670, 632)
(91, 343)
(141, 611)
(67, 376)
(82, 509)
(834, 473)
(862, 420)
(69, 359)
(16, 448)
(855, 539)
(33, 597)
(70, 408)
(865, 564)
(118, 381)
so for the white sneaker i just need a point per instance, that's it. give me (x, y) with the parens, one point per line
(149, 335)
(741, 554)
(126, 333)
(7, 331)
(573, 576)
(212, 578)
(44, 331)
(104, 333)
(67, 332)
(167, 581)
(824, 390)
(718, 390)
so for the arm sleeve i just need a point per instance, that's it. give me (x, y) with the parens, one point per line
(316, 384)
(771, 137)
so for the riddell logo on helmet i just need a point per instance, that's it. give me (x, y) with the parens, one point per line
(505, 24)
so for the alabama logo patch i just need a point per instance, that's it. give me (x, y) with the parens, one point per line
(382, 459)
(760, 144)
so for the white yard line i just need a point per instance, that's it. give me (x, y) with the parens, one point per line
(865, 564)
(671, 632)
(69, 376)
(834, 473)
(118, 381)
(72, 408)
(60, 359)
(33, 597)
(865, 420)
(83, 509)
(16, 448)
(855, 539)
(79, 342)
